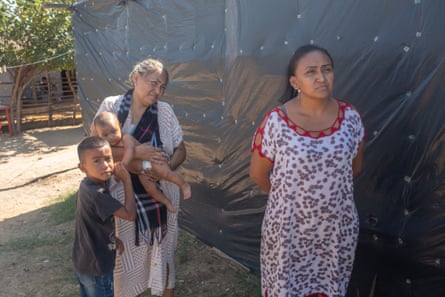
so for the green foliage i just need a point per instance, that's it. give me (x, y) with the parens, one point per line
(33, 34)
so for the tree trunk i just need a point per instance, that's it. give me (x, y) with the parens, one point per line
(21, 81)
(15, 120)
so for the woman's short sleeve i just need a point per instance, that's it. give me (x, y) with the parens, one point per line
(264, 137)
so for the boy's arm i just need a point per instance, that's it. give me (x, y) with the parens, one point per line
(128, 210)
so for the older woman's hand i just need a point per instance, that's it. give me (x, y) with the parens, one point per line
(147, 152)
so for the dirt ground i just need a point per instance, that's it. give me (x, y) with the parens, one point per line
(37, 168)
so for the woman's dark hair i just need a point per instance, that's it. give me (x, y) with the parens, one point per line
(289, 93)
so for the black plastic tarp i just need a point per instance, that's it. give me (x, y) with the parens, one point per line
(227, 62)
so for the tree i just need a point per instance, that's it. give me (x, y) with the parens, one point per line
(33, 38)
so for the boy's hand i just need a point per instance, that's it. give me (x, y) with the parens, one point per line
(119, 246)
(120, 171)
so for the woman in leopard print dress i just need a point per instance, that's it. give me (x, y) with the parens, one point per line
(305, 154)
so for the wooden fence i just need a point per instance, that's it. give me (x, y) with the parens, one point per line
(57, 107)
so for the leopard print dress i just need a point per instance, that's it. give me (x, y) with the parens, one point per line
(310, 226)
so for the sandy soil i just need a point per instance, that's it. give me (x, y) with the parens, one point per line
(35, 167)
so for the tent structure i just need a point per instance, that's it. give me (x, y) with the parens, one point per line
(227, 63)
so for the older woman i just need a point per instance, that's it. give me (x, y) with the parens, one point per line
(148, 258)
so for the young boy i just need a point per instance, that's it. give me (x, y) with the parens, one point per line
(95, 244)
(107, 126)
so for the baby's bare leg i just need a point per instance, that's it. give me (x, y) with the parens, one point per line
(166, 173)
(154, 192)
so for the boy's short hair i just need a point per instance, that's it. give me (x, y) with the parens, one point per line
(90, 142)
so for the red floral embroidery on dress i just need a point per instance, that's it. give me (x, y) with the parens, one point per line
(258, 136)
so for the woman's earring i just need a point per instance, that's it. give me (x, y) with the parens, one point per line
(297, 92)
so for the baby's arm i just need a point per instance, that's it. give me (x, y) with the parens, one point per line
(130, 144)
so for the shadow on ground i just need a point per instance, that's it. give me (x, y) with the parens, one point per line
(46, 139)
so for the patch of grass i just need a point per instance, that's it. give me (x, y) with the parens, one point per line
(185, 241)
(25, 243)
(248, 284)
(33, 241)
(64, 209)
(40, 254)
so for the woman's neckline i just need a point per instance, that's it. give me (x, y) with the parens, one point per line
(333, 127)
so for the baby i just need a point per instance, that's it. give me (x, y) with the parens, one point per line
(108, 127)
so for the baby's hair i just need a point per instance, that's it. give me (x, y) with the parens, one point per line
(89, 143)
(148, 66)
(102, 119)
